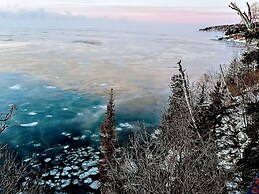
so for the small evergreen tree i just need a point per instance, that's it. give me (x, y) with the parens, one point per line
(108, 141)
(249, 164)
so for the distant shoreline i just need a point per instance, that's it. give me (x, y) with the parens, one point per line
(235, 32)
(224, 27)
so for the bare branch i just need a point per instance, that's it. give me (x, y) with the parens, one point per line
(7, 117)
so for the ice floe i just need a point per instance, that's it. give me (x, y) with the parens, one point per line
(95, 185)
(103, 84)
(83, 137)
(126, 125)
(65, 182)
(66, 134)
(37, 144)
(33, 124)
(53, 172)
(47, 160)
(75, 166)
(88, 180)
(118, 129)
(103, 106)
(32, 113)
(50, 87)
(15, 87)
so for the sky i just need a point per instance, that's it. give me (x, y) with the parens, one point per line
(153, 3)
(206, 12)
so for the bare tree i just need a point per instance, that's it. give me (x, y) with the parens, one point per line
(186, 93)
(246, 18)
(7, 117)
(255, 12)
(173, 159)
(153, 165)
(16, 177)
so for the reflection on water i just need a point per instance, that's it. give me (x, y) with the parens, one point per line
(92, 61)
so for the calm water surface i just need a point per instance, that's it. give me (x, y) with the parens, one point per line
(59, 79)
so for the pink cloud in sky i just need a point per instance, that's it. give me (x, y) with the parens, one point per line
(155, 14)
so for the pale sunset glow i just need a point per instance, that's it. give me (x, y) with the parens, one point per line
(164, 11)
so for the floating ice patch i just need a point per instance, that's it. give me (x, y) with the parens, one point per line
(88, 163)
(65, 182)
(94, 135)
(33, 124)
(27, 160)
(103, 84)
(53, 172)
(126, 125)
(50, 87)
(66, 134)
(75, 182)
(83, 175)
(83, 137)
(103, 106)
(93, 171)
(47, 160)
(32, 113)
(37, 144)
(118, 129)
(88, 180)
(45, 174)
(67, 168)
(95, 185)
(15, 87)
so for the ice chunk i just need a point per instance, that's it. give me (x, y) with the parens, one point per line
(95, 185)
(15, 87)
(33, 124)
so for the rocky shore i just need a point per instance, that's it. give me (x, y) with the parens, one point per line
(236, 32)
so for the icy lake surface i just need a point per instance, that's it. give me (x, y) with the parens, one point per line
(59, 80)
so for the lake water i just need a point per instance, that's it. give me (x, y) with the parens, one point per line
(60, 79)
